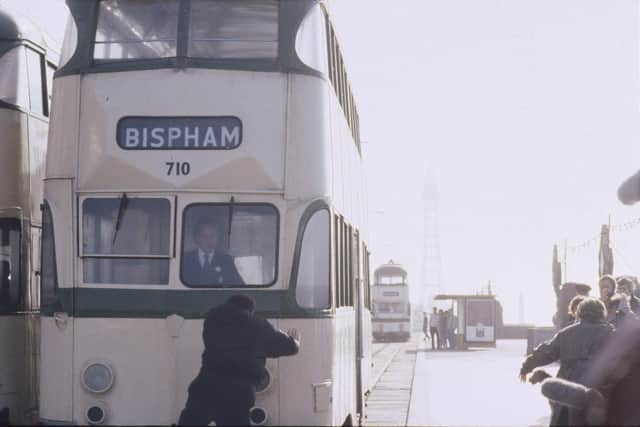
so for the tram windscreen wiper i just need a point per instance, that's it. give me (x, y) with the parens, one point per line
(124, 203)
(231, 202)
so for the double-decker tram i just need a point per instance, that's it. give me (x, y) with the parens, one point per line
(391, 306)
(182, 126)
(27, 62)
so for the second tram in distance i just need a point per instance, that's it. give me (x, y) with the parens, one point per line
(181, 126)
(391, 306)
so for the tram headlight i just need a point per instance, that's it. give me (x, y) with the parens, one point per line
(98, 377)
(258, 416)
(96, 414)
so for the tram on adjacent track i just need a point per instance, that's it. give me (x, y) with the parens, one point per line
(27, 62)
(391, 306)
(171, 116)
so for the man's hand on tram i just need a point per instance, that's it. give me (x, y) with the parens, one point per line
(293, 333)
(538, 376)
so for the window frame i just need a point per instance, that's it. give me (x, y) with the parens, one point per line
(308, 213)
(82, 255)
(183, 42)
(276, 261)
(46, 209)
(41, 76)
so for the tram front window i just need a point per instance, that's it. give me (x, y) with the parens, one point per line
(133, 29)
(9, 265)
(126, 240)
(227, 245)
(391, 280)
(233, 30)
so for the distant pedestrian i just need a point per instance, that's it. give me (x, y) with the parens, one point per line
(434, 323)
(573, 346)
(442, 329)
(425, 326)
(452, 325)
(236, 345)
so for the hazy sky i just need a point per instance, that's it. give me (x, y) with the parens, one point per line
(526, 112)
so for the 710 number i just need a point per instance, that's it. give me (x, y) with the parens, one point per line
(178, 168)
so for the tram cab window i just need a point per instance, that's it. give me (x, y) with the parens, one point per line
(391, 280)
(48, 268)
(9, 265)
(14, 88)
(133, 29)
(229, 245)
(233, 29)
(313, 279)
(126, 240)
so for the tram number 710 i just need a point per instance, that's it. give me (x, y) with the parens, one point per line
(178, 168)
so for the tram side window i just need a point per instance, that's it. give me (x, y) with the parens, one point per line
(133, 29)
(48, 268)
(229, 245)
(233, 30)
(9, 265)
(14, 88)
(313, 279)
(36, 87)
(50, 70)
(126, 240)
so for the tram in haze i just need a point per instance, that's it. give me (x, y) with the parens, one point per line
(171, 116)
(391, 306)
(27, 62)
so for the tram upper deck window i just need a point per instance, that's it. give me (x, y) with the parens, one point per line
(9, 265)
(126, 240)
(136, 29)
(14, 87)
(228, 245)
(233, 29)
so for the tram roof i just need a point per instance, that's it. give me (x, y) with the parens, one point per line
(14, 26)
(391, 268)
(462, 296)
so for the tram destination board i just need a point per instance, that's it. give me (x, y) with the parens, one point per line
(179, 133)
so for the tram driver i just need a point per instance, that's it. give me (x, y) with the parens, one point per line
(207, 265)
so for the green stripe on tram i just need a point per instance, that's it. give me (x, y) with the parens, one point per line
(154, 303)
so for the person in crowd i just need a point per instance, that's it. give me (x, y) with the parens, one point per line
(607, 286)
(206, 265)
(434, 323)
(573, 306)
(236, 345)
(626, 286)
(564, 295)
(573, 346)
(442, 329)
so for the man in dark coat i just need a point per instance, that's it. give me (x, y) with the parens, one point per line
(236, 345)
(627, 286)
(573, 346)
(206, 265)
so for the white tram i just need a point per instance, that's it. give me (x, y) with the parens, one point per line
(27, 62)
(391, 306)
(169, 113)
